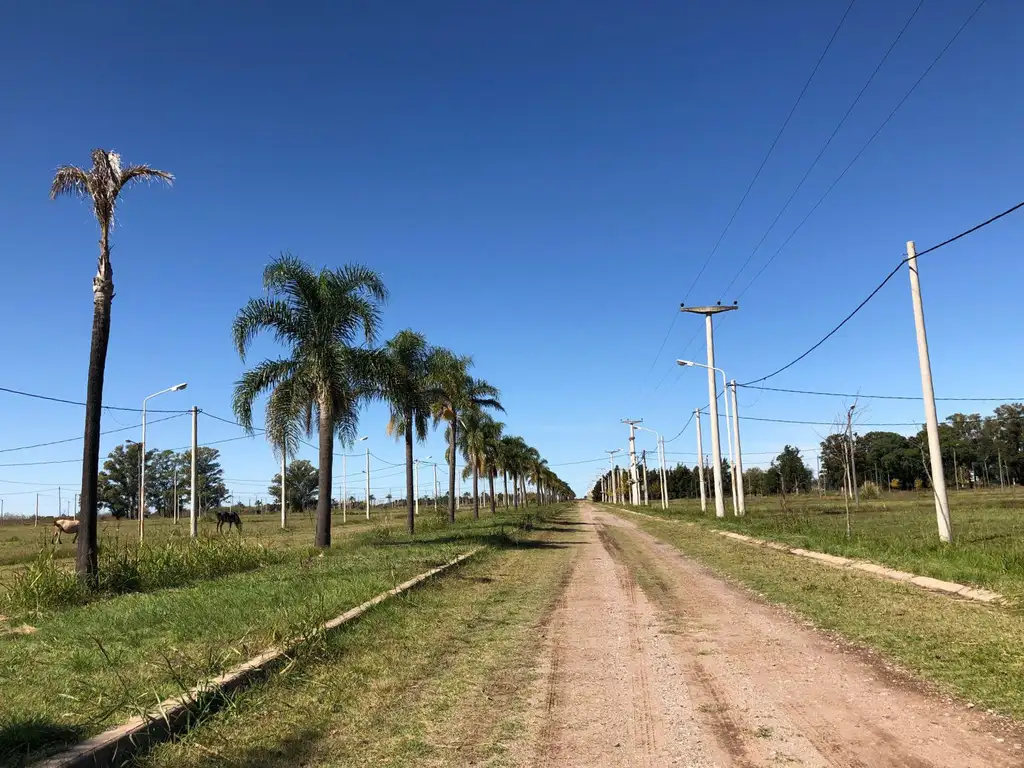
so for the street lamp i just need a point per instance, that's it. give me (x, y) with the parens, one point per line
(417, 481)
(344, 481)
(142, 447)
(661, 464)
(717, 457)
(611, 465)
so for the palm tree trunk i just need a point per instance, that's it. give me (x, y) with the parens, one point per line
(476, 493)
(451, 469)
(504, 483)
(515, 490)
(323, 502)
(490, 482)
(411, 502)
(86, 560)
(526, 498)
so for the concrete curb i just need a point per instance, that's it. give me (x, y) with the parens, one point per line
(116, 745)
(881, 571)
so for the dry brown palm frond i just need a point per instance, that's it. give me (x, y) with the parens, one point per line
(69, 180)
(135, 173)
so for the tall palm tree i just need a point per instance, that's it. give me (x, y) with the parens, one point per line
(516, 455)
(505, 462)
(101, 185)
(408, 384)
(491, 457)
(321, 316)
(473, 444)
(458, 392)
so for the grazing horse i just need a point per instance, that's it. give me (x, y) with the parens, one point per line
(231, 518)
(64, 525)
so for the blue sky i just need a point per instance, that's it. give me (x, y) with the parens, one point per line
(561, 174)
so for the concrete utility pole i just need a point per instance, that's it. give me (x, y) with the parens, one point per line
(741, 508)
(700, 462)
(611, 465)
(716, 447)
(284, 494)
(344, 488)
(37, 510)
(634, 482)
(435, 487)
(174, 501)
(931, 418)
(647, 500)
(664, 476)
(193, 509)
(853, 457)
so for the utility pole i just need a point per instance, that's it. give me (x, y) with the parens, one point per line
(664, 476)
(817, 462)
(344, 488)
(956, 471)
(853, 458)
(436, 489)
(175, 495)
(700, 463)
(367, 482)
(416, 504)
(74, 506)
(59, 504)
(647, 500)
(716, 443)
(634, 483)
(612, 467)
(741, 509)
(37, 511)
(193, 510)
(999, 466)
(931, 417)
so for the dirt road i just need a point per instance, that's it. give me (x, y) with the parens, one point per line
(691, 671)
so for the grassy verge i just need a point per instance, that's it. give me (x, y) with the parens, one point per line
(22, 542)
(85, 668)
(436, 678)
(968, 649)
(897, 530)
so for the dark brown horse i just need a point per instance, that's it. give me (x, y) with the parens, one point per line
(231, 518)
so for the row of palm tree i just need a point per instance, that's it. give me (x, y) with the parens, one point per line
(329, 320)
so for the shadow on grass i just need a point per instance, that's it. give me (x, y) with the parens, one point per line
(496, 540)
(289, 751)
(20, 738)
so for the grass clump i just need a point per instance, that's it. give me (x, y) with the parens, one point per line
(47, 584)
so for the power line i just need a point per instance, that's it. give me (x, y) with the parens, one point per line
(81, 437)
(884, 397)
(879, 287)
(821, 152)
(862, 150)
(680, 431)
(37, 396)
(771, 149)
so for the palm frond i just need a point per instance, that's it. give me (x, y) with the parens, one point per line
(255, 382)
(133, 174)
(264, 314)
(69, 180)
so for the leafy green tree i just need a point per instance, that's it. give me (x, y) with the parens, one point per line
(793, 473)
(101, 185)
(302, 484)
(118, 482)
(408, 384)
(320, 316)
(210, 487)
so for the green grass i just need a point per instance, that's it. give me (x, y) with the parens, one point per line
(88, 667)
(21, 541)
(437, 678)
(967, 649)
(898, 530)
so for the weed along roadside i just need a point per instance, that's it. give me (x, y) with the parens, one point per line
(86, 668)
